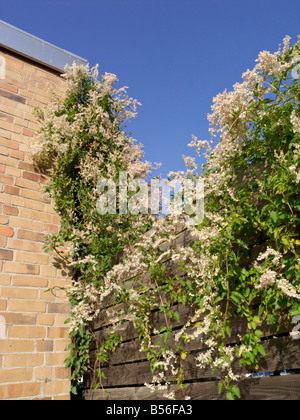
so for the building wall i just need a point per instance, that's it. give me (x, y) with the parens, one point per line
(33, 336)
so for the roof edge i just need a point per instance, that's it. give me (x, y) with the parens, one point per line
(36, 49)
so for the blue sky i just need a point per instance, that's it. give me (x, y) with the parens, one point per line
(174, 55)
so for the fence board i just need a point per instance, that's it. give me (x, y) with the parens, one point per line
(283, 388)
(281, 354)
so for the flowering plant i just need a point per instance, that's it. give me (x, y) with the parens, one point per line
(244, 257)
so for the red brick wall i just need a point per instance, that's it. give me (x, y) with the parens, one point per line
(32, 330)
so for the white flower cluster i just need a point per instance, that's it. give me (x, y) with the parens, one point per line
(288, 289)
(295, 122)
(295, 168)
(277, 256)
(267, 278)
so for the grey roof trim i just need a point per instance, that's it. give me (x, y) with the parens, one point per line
(35, 48)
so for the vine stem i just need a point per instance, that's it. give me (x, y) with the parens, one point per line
(228, 290)
(162, 303)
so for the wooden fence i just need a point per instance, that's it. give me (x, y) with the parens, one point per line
(278, 376)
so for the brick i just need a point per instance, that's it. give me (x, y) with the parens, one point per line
(56, 387)
(32, 257)
(62, 373)
(31, 167)
(58, 307)
(6, 231)
(45, 319)
(9, 143)
(22, 360)
(25, 332)
(48, 271)
(34, 126)
(49, 208)
(3, 220)
(19, 292)
(57, 332)
(44, 345)
(14, 172)
(35, 215)
(5, 198)
(25, 94)
(19, 391)
(60, 320)
(34, 195)
(3, 241)
(61, 345)
(48, 295)
(33, 281)
(17, 318)
(21, 122)
(3, 150)
(8, 161)
(24, 245)
(50, 228)
(24, 305)
(27, 203)
(19, 268)
(6, 86)
(10, 210)
(31, 236)
(56, 220)
(8, 189)
(30, 185)
(31, 176)
(16, 375)
(17, 154)
(3, 304)
(4, 279)
(6, 134)
(8, 180)
(11, 128)
(12, 96)
(20, 222)
(55, 359)
(43, 373)
(28, 132)
(6, 254)
(10, 110)
(6, 117)
(16, 346)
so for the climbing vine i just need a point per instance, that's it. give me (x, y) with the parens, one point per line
(244, 257)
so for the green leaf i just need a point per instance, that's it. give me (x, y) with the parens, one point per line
(236, 391)
(228, 331)
(261, 349)
(176, 316)
(274, 216)
(258, 333)
(230, 396)
(220, 387)
(74, 390)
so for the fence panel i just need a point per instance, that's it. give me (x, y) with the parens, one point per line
(277, 377)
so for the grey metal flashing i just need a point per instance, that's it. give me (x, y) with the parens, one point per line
(29, 46)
